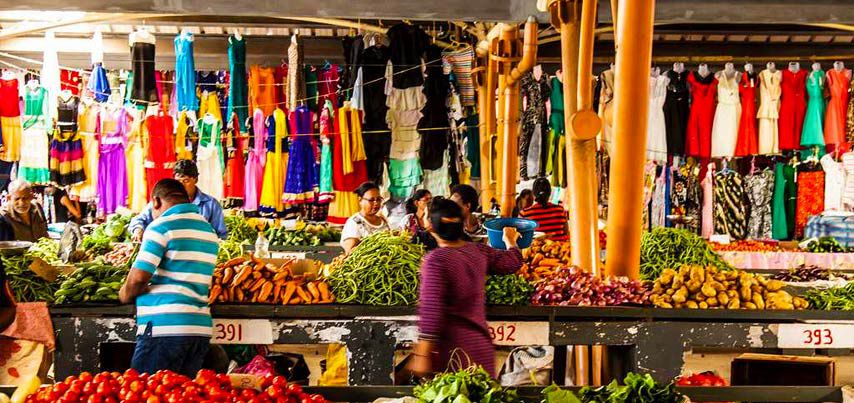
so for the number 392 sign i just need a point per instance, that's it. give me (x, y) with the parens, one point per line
(815, 335)
(519, 333)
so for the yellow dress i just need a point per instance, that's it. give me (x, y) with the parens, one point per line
(134, 157)
(88, 127)
(274, 171)
(181, 151)
(12, 132)
(210, 104)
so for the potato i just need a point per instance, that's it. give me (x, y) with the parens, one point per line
(758, 301)
(693, 286)
(745, 293)
(723, 298)
(775, 285)
(691, 305)
(698, 297)
(734, 304)
(681, 295)
(698, 274)
(708, 290)
(703, 305)
(656, 288)
(664, 305)
(732, 293)
(713, 302)
(667, 276)
(720, 277)
(749, 305)
(670, 291)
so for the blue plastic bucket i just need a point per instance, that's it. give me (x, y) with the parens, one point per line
(495, 231)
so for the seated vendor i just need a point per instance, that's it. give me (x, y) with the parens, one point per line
(21, 218)
(367, 221)
(187, 173)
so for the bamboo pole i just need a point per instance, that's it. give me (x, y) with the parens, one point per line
(631, 101)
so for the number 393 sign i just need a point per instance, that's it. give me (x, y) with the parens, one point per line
(815, 335)
(519, 333)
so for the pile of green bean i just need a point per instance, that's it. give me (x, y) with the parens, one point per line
(382, 270)
(25, 285)
(671, 248)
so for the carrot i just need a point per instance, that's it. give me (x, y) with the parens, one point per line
(325, 295)
(302, 294)
(215, 291)
(281, 276)
(290, 289)
(238, 295)
(242, 274)
(234, 262)
(295, 301)
(257, 284)
(537, 259)
(277, 292)
(259, 266)
(266, 289)
(227, 274)
(549, 262)
(315, 293)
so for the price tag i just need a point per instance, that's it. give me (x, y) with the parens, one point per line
(242, 331)
(287, 255)
(519, 333)
(815, 335)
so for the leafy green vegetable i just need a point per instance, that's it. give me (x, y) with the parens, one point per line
(469, 385)
(671, 248)
(554, 394)
(228, 250)
(832, 299)
(239, 229)
(508, 290)
(635, 389)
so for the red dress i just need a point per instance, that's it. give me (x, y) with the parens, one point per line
(747, 131)
(810, 199)
(793, 108)
(234, 169)
(702, 114)
(160, 153)
(837, 108)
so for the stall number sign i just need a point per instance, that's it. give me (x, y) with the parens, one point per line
(242, 331)
(519, 333)
(815, 335)
(287, 255)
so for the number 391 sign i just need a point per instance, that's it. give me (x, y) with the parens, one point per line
(242, 331)
(815, 335)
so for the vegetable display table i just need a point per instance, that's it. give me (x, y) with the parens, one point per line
(655, 338)
(788, 260)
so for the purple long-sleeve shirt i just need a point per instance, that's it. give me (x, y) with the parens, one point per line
(452, 307)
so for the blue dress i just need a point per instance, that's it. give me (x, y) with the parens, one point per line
(185, 73)
(99, 85)
(302, 174)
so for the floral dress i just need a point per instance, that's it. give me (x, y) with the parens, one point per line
(730, 206)
(810, 199)
(760, 190)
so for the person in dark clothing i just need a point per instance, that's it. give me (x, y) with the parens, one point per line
(21, 219)
(523, 201)
(466, 197)
(64, 209)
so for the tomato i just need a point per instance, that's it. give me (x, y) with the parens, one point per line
(95, 399)
(274, 391)
(280, 381)
(294, 389)
(137, 386)
(247, 393)
(85, 376)
(152, 399)
(76, 387)
(105, 389)
(60, 387)
(89, 388)
(110, 399)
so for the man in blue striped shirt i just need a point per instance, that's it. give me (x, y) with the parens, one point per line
(170, 281)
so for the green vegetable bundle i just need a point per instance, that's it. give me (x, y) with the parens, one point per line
(832, 299)
(825, 244)
(92, 282)
(25, 284)
(326, 233)
(381, 270)
(470, 385)
(103, 236)
(239, 230)
(284, 237)
(45, 249)
(229, 250)
(671, 248)
(508, 290)
(636, 389)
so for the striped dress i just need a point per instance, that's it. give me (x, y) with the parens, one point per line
(179, 249)
(452, 306)
(552, 219)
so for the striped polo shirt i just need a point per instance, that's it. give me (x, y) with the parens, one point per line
(551, 219)
(179, 249)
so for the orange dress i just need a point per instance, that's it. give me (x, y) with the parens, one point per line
(262, 89)
(837, 107)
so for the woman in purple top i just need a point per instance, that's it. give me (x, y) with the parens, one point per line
(452, 307)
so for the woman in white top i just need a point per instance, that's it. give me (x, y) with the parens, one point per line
(367, 221)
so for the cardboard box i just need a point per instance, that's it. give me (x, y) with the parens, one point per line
(782, 370)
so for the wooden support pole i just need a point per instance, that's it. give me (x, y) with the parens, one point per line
(631, 102)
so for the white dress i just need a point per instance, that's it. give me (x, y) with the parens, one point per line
(834, 182)
(848, 193)
(656, 133)
(210, 168)
(725, 125)
(769, 111)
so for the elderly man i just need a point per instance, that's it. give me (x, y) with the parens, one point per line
(21, 219)
(170, 281)
(187, 173)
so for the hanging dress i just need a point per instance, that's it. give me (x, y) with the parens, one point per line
(237, 91)
(262, 90)
(209, 156)
(112, 166)
(769, 111)
(708, 215)
(255, 163)
(235, 168)
(348, 165)
(144, 88)
(274, 170)
(134, 154)
(159, 150)
(813, 130)
(657, 207)
(676, 111)
(747, 130)
(727, 114)
(183, 135)
(656, 141)
(760, 189)
(687, 197)
(536, 93)
(606, 109)
(89, 130)
(730, 204)
(209, 93)
(810, 199)
(10, 120)
(850, 117)
(793, 106)
(785, 202)
(699, 132)
(835, 119)
(834, 183)
(66, 149)
(296, 74)
(34, 163)
(327, 114)
(301, 181)
(556, 165)
(185, 73)
(848, 193)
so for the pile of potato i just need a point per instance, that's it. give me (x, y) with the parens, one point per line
(699, 287)
(542, 258)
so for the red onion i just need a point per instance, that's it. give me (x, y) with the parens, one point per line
(574, 286)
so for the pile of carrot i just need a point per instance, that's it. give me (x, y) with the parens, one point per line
(249, 280)
(543, 258)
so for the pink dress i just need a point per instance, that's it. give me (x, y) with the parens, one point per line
(708, 218)
(255, 164)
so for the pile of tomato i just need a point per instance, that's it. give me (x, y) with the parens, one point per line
(707, 378)
(747, 245)
(168, 387)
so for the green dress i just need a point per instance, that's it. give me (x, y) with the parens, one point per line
(784, 202)
(237, 92)
(813, 133)
(556, 164)
(34, 163)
